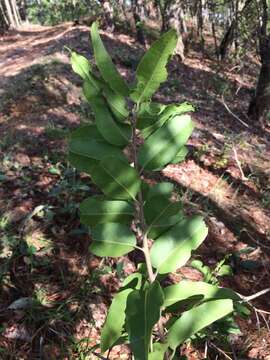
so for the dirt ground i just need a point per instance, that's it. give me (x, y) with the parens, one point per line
(54, 294)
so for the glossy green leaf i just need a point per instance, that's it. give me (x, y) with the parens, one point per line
(163, 189)
(115, 133)
(173, 248)
(105, 64)
(225, 270)
(116, 178)
(82, 163)
(116, 103)
(197, 319)
(112, 239)
(158, 351)
(168, 113)
(180, 156)
(113, 327)
(160, 214)
(164, 144)
(187, 289)
(96, 210)
(148, 114)
(142, 313)
(82, 67)
(151, 71)
(87, 141)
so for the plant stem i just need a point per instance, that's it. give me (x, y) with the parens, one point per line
(142, 225)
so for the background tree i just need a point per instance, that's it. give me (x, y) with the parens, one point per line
(259, 108)
(9, 15)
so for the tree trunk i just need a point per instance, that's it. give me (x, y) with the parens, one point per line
(4, 22)
(108, 12)
(137, 13)
(227, 41)
(259, 108)
(16, 14)
(174, 21)
(231, 32)
(10, 16)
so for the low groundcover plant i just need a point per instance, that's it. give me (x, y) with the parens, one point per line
(132, 136)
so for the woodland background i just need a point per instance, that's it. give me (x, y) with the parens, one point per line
(54, 293)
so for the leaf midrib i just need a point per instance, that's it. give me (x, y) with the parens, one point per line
(119, 183)
(180, 245)
(147, 83)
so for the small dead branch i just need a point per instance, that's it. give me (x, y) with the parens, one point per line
(243, 176)
(230, 112)
(220, 351)
(254, 296)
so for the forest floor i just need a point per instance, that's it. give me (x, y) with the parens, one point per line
(54, 293)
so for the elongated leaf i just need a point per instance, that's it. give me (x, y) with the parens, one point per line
(87, 141)
(151, 71)
(116, 178)
(112, 240)
(160, 214)
(196, 319)
(112, 329)
(105, 64)
(142, 313)
(180, 156)
(163, 188)
(116, 134)
(170, 112)
(96, 210)
(173, 248)
(116, 103)
(82, 163)
(82, 67)
(148, 114)
(164, 144)
(158, 351)
(186, 289)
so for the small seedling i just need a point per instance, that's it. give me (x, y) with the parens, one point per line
(130, 215)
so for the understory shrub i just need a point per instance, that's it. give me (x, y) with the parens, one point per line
(133, 136)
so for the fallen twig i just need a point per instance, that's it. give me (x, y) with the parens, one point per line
(243, 176)
(220, 351)
(234, 115)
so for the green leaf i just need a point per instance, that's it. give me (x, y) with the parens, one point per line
(170, 111)
(180, 156)
(225, 270)
(148, 114)
(116, 178)
(116, 103)
(158, 351)
(187, 289)
(116, 134)
(112, 240)
(96, 210)
(173, 248)
(112, 329)
(87, 142)
(82, 163)
(164, 144)
(142, 313)
(163, 188)
(196, 319)
(160, 214)
(205, 270)
(82, 67)
(151, 71)
(105, 64)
